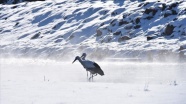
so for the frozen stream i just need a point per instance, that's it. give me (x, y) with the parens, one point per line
(27, 81)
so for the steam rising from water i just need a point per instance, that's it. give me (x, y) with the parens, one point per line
(115, 72)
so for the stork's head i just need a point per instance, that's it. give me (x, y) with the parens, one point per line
(83, 56)
(77, 58)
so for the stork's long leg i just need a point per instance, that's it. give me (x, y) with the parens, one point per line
(87, 74)
(92, 75)
(92, 78)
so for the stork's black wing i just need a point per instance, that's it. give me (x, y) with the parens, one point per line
(98, 69)
(96, 65)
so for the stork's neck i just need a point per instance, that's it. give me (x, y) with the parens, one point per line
(79, 59)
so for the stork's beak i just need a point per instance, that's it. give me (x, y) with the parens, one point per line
(74, 60)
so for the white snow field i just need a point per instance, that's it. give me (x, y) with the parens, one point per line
(29, 81)
(148, 30)
(39, 40)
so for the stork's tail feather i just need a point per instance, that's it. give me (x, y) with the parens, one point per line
(100, 72)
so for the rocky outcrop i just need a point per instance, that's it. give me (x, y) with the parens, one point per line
(150, 10)
(98, 33)
(117, 33)
(36, 35)
(123, 38)
(151, 37)
(16, 1)
(169, 29)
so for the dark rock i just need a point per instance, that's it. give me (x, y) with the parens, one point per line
(113, 24)
(16, 1)
(117, 33)
(127, 27)
(123, 38)
(146, 4)
(141, 0)
(109, 30)
(173, 5)
(14, 7)
(113, 13)
(16, 24)
(167, 14)
(140, 4)
(137, 20)
(124, 16)
(174, 12)
(163, 7)
(102, 24)
(150, 10)
(65, 17)
(175, 19)
(84, 21)
(137, 26)
(123, 22)
(169, 29)
(151, 37)
(58, 40)
(99, 33)
(34, 0)
(149, 17)
(113, 21)
(70, 37)
(36, 36)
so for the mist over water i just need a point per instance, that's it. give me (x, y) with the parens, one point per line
(115, 72)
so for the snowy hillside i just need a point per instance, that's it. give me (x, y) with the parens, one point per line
(148, 30)
(16, 1)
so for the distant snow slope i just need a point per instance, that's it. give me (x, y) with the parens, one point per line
(16, 1)
(149, 30)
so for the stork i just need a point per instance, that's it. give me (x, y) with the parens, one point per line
(90, 66)
(83, 56)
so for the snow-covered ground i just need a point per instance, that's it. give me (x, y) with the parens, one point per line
(115, 31)
(130, 29)
(30, 81)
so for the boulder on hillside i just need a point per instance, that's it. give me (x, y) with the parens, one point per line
(137, 26)
(117, 33)
(71, 37)
(169, 29)
(16, 1)
(149, 17)
(173, 5)
(122, 22)
(137, 20)
(150, 10)
(151, 37)
(123, 38)
(163, 6)
(98, 32)
(170, 12)
(36, 36)
(182, 47)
